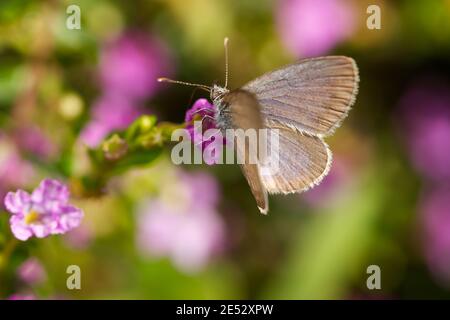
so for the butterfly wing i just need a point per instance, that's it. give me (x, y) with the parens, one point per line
(312, 95)
(302, 161)
(244, 113)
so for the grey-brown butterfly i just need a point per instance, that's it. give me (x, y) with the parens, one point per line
(305, 101)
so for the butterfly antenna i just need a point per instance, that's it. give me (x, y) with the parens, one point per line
(200, 86)
(225, 44)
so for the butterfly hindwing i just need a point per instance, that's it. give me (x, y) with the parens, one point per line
(303, 161)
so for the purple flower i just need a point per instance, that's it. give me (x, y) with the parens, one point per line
(131, 65)
(44, 212)
(32, 272)
(425, 127)
(310, 28)
(203, 112)
(110, 112)
(201, 109)
(188, 230)
(435, 220)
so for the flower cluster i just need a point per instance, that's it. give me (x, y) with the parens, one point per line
(43, 212)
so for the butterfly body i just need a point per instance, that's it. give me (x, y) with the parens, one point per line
(222, 115)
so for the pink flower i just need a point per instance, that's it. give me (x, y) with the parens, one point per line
(310, 27)
(46, 211)
(190, 233)
(32, 272)
(204, 112)
(131, 65)
(425, 127)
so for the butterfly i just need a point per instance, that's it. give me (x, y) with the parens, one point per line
(305, 102)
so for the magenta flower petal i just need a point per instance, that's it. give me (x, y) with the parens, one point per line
(70, 218)
(199, 110)
(20, 230)
(50, 194)
(201, 107)
(203, 111)
(43, 213)
(18, 202)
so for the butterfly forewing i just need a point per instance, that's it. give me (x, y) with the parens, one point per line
(244, 112)
(312, 95)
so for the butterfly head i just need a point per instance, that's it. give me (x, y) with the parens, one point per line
(217, 92)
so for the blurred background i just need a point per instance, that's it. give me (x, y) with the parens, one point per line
(160, 231)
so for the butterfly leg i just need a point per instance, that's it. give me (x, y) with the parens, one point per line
(202, 109)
